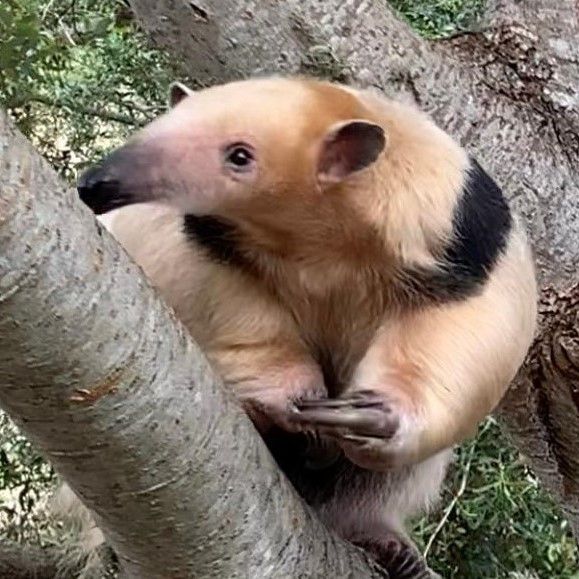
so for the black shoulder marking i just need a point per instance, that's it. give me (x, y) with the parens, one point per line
(218, 237)
(481, 226)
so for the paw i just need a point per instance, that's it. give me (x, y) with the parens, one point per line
(268, 404)
(363, 423)
(398, 556)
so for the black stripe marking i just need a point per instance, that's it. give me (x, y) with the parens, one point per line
(481, 226)
(217, 236)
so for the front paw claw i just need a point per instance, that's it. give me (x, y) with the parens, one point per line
(363, 423)
(364, 413)
(268, 407)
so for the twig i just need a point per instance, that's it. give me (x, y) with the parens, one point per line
(104, 115)
(46, 9)
(458, 495)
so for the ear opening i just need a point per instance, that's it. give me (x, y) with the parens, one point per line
(349, 147)
(177, 92)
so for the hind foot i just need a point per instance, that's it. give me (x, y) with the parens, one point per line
(398, 556)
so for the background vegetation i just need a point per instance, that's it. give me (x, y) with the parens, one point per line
(79, 76)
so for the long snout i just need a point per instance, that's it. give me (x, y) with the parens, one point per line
(100, 192)
(122, 178)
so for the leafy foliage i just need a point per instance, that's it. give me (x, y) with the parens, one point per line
(25, 480)
(78, 76)
(440, 18)
(496, 519)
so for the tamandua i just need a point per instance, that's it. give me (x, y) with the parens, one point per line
(356, 278)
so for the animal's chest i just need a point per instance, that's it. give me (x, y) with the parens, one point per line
(337, 325)
(337, 328)
(338, 332)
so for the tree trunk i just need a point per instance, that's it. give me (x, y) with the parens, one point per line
(101, 377)
(508, 93)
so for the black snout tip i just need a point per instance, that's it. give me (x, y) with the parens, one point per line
(100, 192)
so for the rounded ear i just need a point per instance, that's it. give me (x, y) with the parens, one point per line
(177, 92)
(349, 147)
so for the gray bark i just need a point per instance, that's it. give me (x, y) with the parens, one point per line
(508, 93)
(101, 377)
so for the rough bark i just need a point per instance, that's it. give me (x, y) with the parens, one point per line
(529, 54)
(529, 51)
(508, 93)
(101, 377)
(542, 408)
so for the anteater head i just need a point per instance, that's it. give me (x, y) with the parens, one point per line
(293, 163)
(240, 147)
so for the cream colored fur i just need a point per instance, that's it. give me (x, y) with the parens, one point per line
(327, 252)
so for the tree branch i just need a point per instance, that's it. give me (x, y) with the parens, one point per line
(86, 110)
(529, 53)
(100, 376)
(544, 400)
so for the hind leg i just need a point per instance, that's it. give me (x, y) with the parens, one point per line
(369, 509)
(397, 555)
(370, 528)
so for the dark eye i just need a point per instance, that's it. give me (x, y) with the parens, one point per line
(239, 157)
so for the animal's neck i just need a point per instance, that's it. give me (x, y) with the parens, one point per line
(316, 260)
(322, 272)
(336, 293)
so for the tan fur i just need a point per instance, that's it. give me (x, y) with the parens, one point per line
(418, 176)
(447, 366)
(318, 313)
(432, 361)
(419, 173)
(461, 356)
(423, 170)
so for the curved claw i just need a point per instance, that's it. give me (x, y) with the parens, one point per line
(361, 414)
(398, 556)
(358, 399)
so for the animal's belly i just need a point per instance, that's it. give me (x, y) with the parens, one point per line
(350, 499)
(319, 476)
